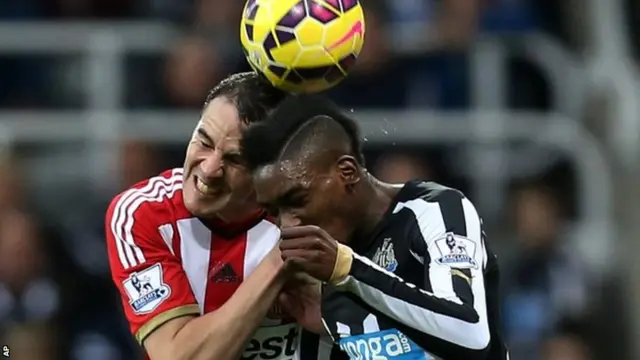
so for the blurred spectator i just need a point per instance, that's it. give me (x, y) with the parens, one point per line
(177, 11)
(435, 24)
(509, 16)
(375, 63)
(192, 68)
(527, 84)
(556, 19)
(217, 22)
(433, 74)
(566, 347)
(138, 162)
(218, 14)
(94, 9)
(33, 341)
(398, 168)
(456, 23)
(27, 291)
(546, 282)
(10, 183)
(48, 279)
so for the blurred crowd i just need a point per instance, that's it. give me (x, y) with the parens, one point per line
(56, 299)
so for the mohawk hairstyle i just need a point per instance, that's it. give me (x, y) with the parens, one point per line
(264, 143)
(252, 95)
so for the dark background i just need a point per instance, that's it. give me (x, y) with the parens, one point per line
(56, 298)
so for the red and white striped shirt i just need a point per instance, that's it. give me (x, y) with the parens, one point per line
(167, 263)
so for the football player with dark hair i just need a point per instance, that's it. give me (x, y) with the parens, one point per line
(408, 272)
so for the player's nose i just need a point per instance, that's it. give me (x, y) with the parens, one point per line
(288, 220)
(211, 165)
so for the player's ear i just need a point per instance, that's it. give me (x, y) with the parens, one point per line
(348, 169)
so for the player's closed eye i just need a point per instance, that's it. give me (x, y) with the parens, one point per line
(206, 145)
(234, 159)
(294, 200)
(204, 139)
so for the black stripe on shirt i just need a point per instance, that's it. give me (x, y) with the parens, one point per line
(395, 287)
(454, 220)
(309, 343)
(450, 203)
(461, 281)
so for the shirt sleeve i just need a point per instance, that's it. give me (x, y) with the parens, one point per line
(152, 284)
(450, 305)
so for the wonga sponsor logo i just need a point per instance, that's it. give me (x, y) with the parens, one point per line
(382, 345)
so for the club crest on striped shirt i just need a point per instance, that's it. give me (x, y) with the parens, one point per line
(456, 251)
(385, 256)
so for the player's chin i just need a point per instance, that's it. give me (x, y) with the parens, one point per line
(204, 205)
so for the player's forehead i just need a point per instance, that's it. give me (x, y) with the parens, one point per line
(220, 121)
(274, 180)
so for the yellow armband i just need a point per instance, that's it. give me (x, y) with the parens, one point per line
(343, 264)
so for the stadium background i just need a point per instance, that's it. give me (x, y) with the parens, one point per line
(530, 106)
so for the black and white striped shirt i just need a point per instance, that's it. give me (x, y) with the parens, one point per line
(424, 286)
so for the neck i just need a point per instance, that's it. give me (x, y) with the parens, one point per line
(238, 212)
(376, 197)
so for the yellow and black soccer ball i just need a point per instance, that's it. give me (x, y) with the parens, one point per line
(302, 46)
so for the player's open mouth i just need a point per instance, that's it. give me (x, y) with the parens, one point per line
(204, 188)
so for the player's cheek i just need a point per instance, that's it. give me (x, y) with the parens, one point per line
(240, 180)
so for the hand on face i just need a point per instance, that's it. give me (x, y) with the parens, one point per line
(309, 249)
(308, 256)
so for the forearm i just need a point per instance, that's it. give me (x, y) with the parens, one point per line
(222, 334)
(448, 318)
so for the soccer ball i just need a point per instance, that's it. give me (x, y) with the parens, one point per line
(302, 46)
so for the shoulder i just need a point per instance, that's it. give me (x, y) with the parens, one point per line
(449, 225)
(429, 191)
(149, 200)
(437, 209)
(427, 198)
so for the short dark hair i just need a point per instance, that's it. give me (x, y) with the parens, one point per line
(253, 96)
(263, 143)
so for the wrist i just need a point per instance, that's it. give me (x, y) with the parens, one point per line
(273, 260)
(275, 278)
(342, 266)
(271, 270)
